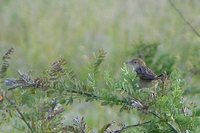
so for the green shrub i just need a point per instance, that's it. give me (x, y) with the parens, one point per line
(36, 104)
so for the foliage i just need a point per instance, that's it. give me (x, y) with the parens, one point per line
(39, 102)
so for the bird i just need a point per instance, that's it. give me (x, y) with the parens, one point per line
(147, 77)
(143, 72)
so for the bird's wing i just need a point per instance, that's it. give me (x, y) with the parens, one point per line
(146, 73)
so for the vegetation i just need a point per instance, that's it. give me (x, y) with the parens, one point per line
(59, 86)
(82, 93)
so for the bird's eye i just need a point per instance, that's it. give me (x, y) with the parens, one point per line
(134, 62)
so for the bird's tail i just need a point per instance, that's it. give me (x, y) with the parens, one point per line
(163, 76)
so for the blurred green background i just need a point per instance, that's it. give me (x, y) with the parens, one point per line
(43, 30)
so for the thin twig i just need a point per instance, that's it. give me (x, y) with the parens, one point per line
(21, 115)
(130, 126)
(85, 93)
(184, 19)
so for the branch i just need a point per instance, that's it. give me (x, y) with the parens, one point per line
(130, 126)
(21, 115)
(86, 94)
(184, 19)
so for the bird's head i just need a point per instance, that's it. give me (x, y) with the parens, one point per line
(136, 63)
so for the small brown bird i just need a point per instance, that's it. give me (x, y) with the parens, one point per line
(147, 77)
(142, 70)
